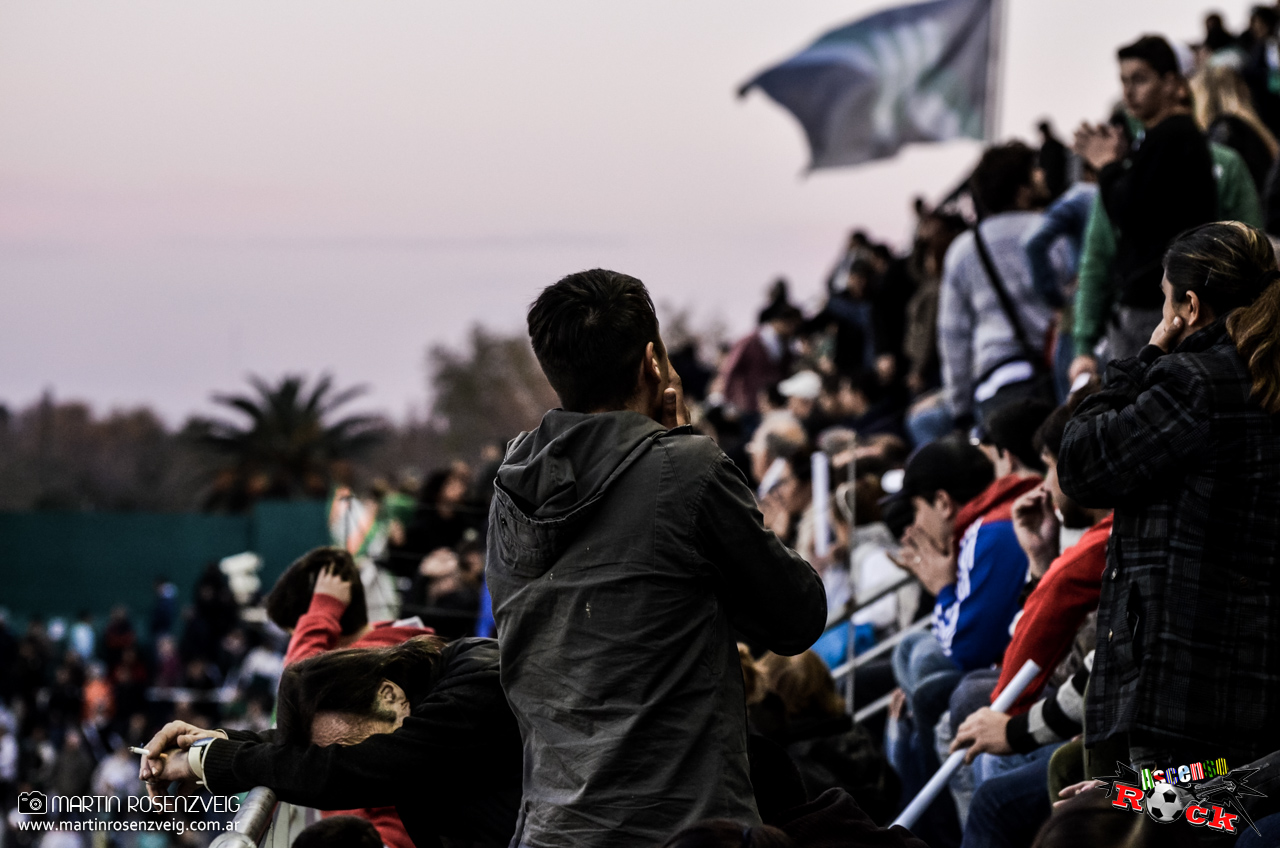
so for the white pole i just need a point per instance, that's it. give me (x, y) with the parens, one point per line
(931, 789)
(821, 487)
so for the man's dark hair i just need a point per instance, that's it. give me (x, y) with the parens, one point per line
(589, 332)
(1266, 14)
(950, 465)
(1013, 426)
(1001, 173)
(339, 832)
(1048, 438)
(291, 596)
(348, 681)
(1153, 50)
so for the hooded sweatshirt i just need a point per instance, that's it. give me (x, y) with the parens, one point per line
(972, 616)
(622, 559)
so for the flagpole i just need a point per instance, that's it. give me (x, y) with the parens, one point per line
(995, 72)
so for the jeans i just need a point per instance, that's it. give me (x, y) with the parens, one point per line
(1009, 807)
(928, 419)
(927, 676)
(1269, 827)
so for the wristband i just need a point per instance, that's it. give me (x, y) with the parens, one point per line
(195, 758)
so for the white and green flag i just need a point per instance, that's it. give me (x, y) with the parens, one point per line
(908, 74)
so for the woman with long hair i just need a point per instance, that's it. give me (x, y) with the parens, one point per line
(1184, 442)
(1224, 110)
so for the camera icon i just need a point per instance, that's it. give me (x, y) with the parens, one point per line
(33, 803)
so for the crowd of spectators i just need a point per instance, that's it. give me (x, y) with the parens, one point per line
(913, 423)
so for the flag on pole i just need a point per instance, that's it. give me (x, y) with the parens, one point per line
(916, 73)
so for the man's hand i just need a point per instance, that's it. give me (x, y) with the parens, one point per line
(984, 733)
(1083, 364)
(1099, 145)
(933, 566)
(886, 368)
(1037, 528)
(674, 412)
(166, 758)
(777, 516)
(1167, 334)
(172, 767)
(897, 704)
(1069, 792)
(329, 582)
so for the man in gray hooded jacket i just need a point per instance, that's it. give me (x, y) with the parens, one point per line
(625, 552)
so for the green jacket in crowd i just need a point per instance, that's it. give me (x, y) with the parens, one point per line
(1096, 294)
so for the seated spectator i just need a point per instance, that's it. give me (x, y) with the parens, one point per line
(1090, 819)
(963, 548)
(778, 438)
(319, 601)
(421, 725)
(807, 716)
(961, 544)
(785, 505)
(339, 832)
(1009, 435)
(802, 391)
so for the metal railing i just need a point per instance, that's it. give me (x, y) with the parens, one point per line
(251, 822)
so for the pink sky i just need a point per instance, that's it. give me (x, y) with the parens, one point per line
(193, 192)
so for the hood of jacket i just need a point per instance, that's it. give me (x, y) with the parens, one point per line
(996, 501)
(553, 476)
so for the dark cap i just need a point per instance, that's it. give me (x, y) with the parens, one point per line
(1153, 50)
(951, 465)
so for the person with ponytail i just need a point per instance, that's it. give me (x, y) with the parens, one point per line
(1184, 443)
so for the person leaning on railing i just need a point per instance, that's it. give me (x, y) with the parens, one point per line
(422, 726)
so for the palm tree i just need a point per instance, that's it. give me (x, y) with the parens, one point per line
(290, 445)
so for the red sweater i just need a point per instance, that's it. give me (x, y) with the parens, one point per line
(318, 631)
(1054, 611)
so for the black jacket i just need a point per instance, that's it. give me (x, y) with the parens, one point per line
(452, 770)
(1153, 194)
(621, 557)
(1188, 632)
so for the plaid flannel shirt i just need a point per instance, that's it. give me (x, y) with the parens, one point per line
(1189, 618)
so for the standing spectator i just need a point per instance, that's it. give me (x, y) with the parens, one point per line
(1262, 67)
(1066, 220)
(624, 551)
(849, 315)
(1150, 193)
(988, 357)
(441, 520)
(1226, 114)
(1054, 159)
(761, 359)
(1184, 442)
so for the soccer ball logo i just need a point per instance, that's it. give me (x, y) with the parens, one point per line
(1165, 802)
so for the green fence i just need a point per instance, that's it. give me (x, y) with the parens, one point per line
(58, 563)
